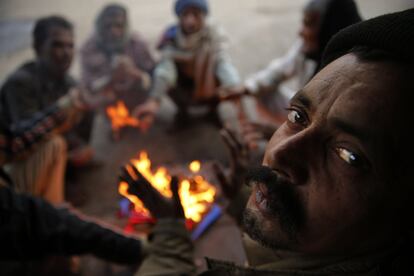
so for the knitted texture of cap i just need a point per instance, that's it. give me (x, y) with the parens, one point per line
(391, 32)
(181, 5)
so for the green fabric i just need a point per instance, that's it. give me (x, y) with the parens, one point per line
(171, 253)
(170, 250)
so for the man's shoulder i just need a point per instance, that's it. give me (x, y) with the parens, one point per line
(135, 37)
(90, 44)
(216, 32)
(24, 73)
(168, 36)
(19, 81)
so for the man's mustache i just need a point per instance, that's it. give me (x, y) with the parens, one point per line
(283, 200)
(261, 174)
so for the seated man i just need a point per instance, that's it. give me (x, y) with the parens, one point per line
(333, 196)
(38, 156)
(321, 20)
(193, 67)
(116, 62)
(36, 86)
(30, 228)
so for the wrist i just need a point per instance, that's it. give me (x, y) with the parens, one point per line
(170, 227)
(155, 102)
(64, 102)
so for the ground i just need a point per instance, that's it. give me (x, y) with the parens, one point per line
(259, 30)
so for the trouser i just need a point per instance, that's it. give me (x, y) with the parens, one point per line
(42, 172)
(84, 128)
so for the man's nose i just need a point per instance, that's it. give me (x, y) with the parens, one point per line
(67, 53)
(68, 50)
(293, 156)
(116, 32)
(190, 20)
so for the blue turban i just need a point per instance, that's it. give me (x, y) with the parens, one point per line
(181, 5)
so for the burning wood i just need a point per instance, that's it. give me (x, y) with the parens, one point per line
(120, 117)
(196, 193)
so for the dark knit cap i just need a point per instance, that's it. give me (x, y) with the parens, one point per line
(181, 5)
(391, 32)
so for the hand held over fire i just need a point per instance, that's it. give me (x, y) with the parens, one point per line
(158, 205)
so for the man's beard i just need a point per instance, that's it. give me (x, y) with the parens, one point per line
(283, 203)
(115, 46)
(110, 45)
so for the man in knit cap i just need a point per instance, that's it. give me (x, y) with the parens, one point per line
(334, 194)
(194, 64)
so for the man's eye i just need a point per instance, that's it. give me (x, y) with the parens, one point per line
(349, 157)
(296, 117)
(57, 44)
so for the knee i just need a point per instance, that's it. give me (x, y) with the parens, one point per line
(58, 144)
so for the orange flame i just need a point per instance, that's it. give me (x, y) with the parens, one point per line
(195, 166)
(196, 193)
(119, 116)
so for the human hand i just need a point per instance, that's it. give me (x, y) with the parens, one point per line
(123, 68)
(254, 132)
(239, 162)
(72, 105)
(73, 99)
(159, 206)
(136, 74)
(232, 93)
(146, 112)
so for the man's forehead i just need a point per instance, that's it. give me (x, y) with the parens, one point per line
(57, 31)
(349, 94)
(311, 18)
(345, 100)
(348, 78)
(118, 17)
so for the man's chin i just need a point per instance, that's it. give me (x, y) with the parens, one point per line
(266, 231)
(62, 68)
(255, 226)
(190, 32)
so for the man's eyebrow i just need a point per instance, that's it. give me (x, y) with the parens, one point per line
(350, 129)
(302, 99)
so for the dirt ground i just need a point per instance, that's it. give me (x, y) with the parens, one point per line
(259, 30)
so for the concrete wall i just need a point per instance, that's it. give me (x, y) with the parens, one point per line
(259, 29)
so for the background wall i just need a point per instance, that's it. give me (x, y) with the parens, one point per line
(259, 29)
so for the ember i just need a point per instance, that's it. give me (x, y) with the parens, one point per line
(196, 193)
(119, 116)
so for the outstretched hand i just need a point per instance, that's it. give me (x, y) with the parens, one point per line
(254, 132)
(232, 93)
(239, 162)
(146, 112)
(159, 206)
(74, 99)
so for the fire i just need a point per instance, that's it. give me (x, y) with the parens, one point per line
(195, 166)
(196, 193)
(119, 116)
